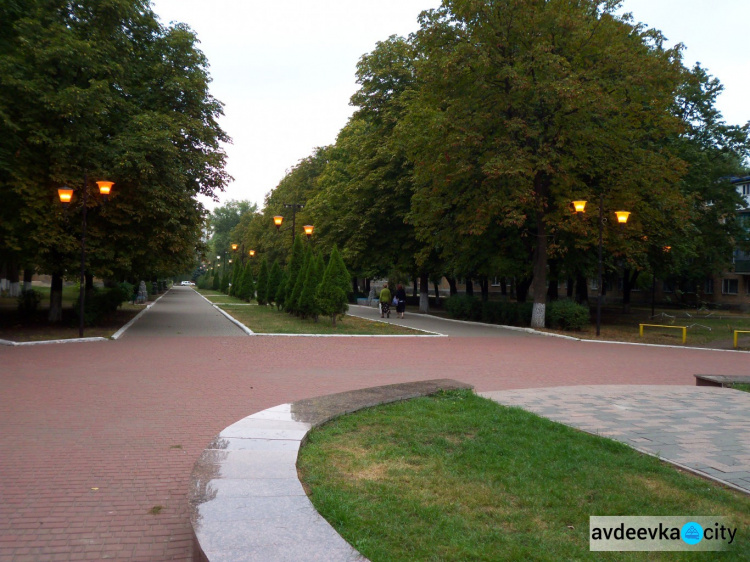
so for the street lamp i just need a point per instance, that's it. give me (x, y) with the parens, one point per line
(622, 218)
(308, 230)
(66, 196)
(251, 253)
(278, 219)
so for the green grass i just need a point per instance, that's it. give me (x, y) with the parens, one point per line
(268, 320)
(458, 477)
(217, 297)
(741, 386)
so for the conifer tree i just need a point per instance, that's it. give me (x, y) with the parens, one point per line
(293, 303)
(280, 297)
(236, 279)
(262, 284)
(246, 289)
(225, 282)
(293, 268)
(308, 305)
(274, 279)
(216, 283)
(334, 288)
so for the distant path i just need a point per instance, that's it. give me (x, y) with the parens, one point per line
(98, 439)
(182, 312)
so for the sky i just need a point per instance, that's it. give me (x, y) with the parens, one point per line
(285, 69)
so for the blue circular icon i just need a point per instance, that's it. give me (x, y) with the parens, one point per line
(692, 533)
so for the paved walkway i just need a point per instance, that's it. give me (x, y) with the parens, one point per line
(704, 429)
(99, 439)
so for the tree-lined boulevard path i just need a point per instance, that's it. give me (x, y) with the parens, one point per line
(98, 439)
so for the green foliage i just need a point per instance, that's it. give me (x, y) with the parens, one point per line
(101, 304)
(225, 282)
(293, 305)
(506, 313)
(246, 289)
(280, 297)
(308, 305)
(237, 273)
(567, 315)
(334, 287)
(102, 90)
(216, 282)
(263, 286)
(296, 263)
(274, 280)
(28, 302)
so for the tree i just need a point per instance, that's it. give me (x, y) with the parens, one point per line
(247, 286)
(225, 282)
(293, 302)
(334, 287)
(280, 297)
(263, 293)
(216, 282)
(92, 89)
(308, 305)
(522, 106)
(274, 281)
(237, 272)
(296, 263)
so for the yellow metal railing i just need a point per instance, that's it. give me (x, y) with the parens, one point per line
(739, 332)
(683, 328)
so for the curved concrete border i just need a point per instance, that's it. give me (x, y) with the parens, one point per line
(246, 502)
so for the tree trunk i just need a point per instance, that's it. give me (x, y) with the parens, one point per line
(452, 285)
(55, 299)
(569, 287)
(89, 282)
(582, 289)
(424, 293)
(627, 286)
(539, 279)
(355, 286)
(415, 292)
(469, 287)
(504, 286)
(367, 285)
(437, 294)
(522, 289)
(484, 284)
(553, 291)
(14, 288)
(28, 273)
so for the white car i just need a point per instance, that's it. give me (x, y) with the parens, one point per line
(187, 283)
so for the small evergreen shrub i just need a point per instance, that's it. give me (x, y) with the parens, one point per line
(507, 313)
(102, 303)
(567, 315)
(28, 302)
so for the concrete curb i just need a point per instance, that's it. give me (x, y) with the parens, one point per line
(246, 500)
(121, 331)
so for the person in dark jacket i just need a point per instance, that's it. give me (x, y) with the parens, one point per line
(400, 300)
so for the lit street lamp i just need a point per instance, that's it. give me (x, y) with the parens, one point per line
(622, 218)
(278, 219)
(66, 196)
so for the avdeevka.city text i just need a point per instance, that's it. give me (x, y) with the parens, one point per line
(719, 532)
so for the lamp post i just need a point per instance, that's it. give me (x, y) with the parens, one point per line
(308, 231)
(278, 219)
(622, 218)
(66, 195)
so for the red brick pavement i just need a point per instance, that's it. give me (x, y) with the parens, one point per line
(95, 435)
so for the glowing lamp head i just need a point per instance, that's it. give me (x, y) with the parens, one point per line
(234, 247)
(251, 253)
(277, 220)
(622, 216)
(105, 187)
(667, 249)
(65, 194)
(308, 229)
(579, 206)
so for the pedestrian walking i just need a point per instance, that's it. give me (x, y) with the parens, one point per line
(385, 302)
(400, 300)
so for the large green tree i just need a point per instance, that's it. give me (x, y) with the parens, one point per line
(522, 106)
(94, 90)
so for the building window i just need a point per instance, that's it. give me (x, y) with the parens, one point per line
(730, 286)
(708, 287)
(746, 189)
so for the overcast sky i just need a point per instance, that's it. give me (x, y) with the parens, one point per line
(285, 69)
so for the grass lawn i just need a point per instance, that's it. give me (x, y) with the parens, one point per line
(741, 386)
(458, 477)
(268, 320)
(707, 328)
